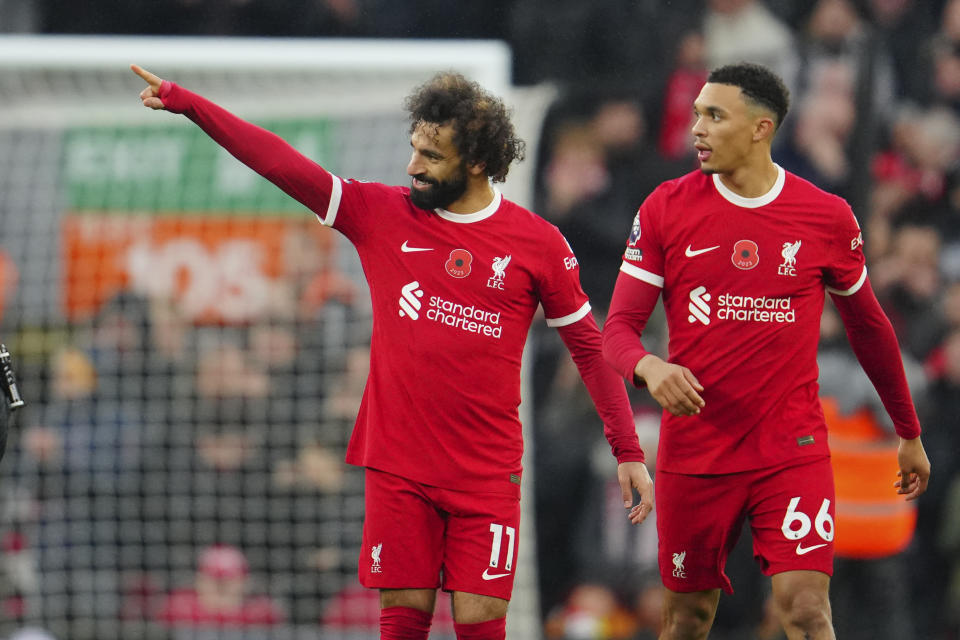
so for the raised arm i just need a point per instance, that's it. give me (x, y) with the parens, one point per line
(875, 345)
(263, 151)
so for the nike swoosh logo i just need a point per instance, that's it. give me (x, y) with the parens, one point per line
(493, 576)
(408, 249)
(690, 253)
(802, 550)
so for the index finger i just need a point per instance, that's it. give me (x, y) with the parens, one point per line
(691, 400)
(692, 379)
(151, 79)
(639, 513)
(911, 485)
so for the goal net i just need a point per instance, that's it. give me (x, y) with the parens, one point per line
(191, 344)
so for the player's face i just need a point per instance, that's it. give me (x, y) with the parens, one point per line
(439, 174)
(723, 128)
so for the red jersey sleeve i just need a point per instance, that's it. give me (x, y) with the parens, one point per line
(356, 206)
(609, 396)
(643, 258)
(637, 289)
(630, 307)
(567, 308)
(340, 203)
(868, 328)
(875, 345)
(560, 293)
(846, 271)
(263, 151)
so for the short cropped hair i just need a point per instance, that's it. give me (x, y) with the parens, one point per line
(758, 85)
(482, 130)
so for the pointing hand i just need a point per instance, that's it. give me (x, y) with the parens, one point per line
(151, 95)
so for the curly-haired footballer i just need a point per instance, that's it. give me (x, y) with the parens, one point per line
(456, 274)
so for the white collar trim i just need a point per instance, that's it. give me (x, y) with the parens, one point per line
(466, 218)
(752, 203)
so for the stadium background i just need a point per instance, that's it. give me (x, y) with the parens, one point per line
(192, 345)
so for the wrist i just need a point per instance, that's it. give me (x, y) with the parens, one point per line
(642, 368)
(168, 94)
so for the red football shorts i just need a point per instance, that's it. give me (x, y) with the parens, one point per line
(421, 537)
(699, 518)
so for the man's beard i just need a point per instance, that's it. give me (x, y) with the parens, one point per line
(441, 193)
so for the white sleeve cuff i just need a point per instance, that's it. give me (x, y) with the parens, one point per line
(641, 274)
(577, 315)
(852, 290)
(336, 192)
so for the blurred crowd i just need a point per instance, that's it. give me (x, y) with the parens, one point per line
(171, 476)
(875, 118)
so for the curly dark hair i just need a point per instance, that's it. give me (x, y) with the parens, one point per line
(482, 130)
(758, 84)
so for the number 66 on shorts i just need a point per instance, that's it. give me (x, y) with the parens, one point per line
(789, 508)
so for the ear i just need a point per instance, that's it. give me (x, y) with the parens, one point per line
(763, 129)
(477, 168)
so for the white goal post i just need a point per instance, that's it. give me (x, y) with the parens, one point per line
(151, 285)
(55, 80)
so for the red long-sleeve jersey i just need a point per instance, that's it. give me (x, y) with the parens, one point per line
(453, 299)
(743, 283)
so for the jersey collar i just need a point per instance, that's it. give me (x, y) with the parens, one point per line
(466, 218)
(752, 203)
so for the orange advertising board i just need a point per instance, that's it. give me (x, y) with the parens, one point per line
(216, 269)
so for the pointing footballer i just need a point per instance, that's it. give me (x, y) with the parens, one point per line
(456, 273)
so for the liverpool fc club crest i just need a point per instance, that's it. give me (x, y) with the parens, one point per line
(789, 255)
(499, 267)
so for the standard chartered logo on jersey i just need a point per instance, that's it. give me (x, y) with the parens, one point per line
(698, 307)
(410, 303)
(739, 308)
(469, 318)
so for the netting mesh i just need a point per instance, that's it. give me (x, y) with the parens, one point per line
(192, 346)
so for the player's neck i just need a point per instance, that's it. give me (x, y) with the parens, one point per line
(752, 179)
(477, 197)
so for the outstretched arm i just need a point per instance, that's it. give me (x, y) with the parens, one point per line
(263, 151)
(582, 339)
(875, 345)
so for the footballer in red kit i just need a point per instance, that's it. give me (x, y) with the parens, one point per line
(456, 274)
(454, 297)
(743, 282)
(743, 254)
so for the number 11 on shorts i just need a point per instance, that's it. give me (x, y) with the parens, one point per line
(497, 531)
